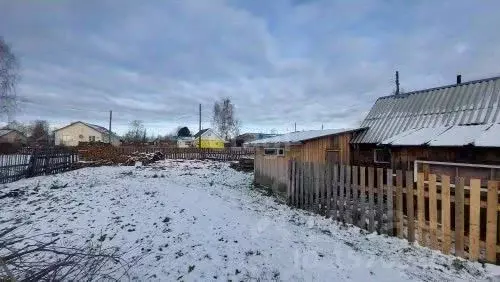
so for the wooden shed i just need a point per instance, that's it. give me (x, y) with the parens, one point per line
(272, 155)
(452, 129)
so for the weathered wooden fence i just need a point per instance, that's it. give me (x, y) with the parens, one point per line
(438, 212)
(225, 154)
(29, 163)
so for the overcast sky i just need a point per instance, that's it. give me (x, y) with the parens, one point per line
(312, 62)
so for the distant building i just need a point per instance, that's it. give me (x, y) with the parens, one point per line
(185, 142)
(12, 136)
(240, 140)
(76, 132)
(209, 139)
(272, 155)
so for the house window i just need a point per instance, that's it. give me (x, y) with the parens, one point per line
(91, 138)
(274, 152)
(382, 155)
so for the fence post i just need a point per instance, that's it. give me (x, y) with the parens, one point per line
(380, 200)
(371, 200)
(362, 200)
(459, 217)
(348, 207)
(410, 209)
(390, 206)
(32, 164)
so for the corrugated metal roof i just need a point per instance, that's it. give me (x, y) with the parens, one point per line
(485, 135)
(414, 137)
(300, 136)
(489, 138)
(474, 102)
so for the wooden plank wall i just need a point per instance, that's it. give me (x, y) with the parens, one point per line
(273, 170)
(459, 219)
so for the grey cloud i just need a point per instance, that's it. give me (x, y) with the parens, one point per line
(312, 62)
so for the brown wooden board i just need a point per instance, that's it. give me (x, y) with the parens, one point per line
(390, 205)
(399, 204)
(433, 220)
(410, 206)
(445, 214)
(459, 217)
(335, 190)
(297, 184)
(323, 189)
(362, 200)
(328, 187)
(491, 222)
(474, 218)
(371, 203)
(301, 185)
(380, 200)
(341, 192)
(348, 206)
(317, 168)
(355, 195)
(421, 209)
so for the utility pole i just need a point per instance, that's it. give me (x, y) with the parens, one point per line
(199, 137)
(109, 133)
(397, 82)
(295, 127)
(321, 126)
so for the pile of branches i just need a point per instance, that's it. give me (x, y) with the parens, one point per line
(144, 158)
(27, 258)
(101, 154)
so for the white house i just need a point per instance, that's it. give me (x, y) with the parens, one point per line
(76, 132)
(185, 142)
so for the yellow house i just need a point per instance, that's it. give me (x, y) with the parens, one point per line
(209, 139)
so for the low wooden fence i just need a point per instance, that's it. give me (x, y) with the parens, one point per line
(29, 163)
(438, 212)
(225, 154)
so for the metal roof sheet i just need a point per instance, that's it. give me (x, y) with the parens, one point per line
(458, 135)
(484, 135)
(300, 136)
(469, 103)
(414, 137)
(489, 138)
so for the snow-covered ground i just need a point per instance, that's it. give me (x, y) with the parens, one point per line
(201, 220)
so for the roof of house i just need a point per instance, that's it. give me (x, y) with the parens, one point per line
(5, 131)
(484, 135)
(254, 136)
(97, 128)
(300, 136)
(470, 103)
(199, 133)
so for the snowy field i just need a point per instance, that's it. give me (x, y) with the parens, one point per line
(201, 220)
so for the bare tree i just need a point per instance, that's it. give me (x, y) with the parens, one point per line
(136, 132)
(9, 67)
(39, 130)
(224, 119)
(19, 126)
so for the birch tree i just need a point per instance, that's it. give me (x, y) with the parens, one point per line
(224, 119)
(8, 78)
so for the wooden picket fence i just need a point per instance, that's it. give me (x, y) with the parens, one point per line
(223, 154)
(454, 217)
(34, 162)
